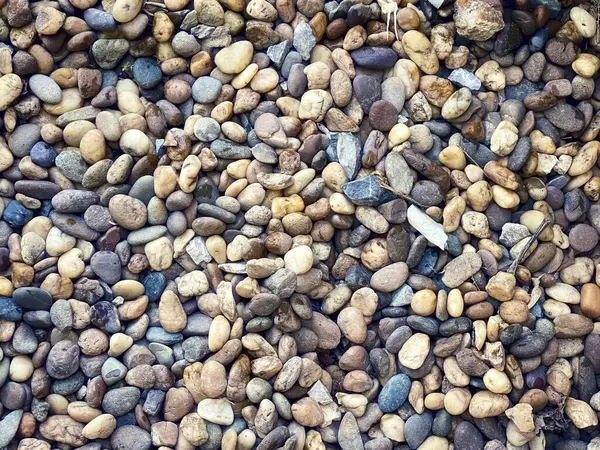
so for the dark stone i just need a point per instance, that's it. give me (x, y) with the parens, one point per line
(154, 284)
(417, 428)
(529, 345)
(520, 154)
(508, 39)
(367, 90)
(576, 205)
(274, 439)
(206, 191)
(42, 190)
(427, 325)
(16, 214)
(394, 393)
(374, 57)
(10, 310)
(104, 316)
(427, 193)
(521, 90)
(467, 437)
(120, 401)
(442, 423)
(33, 298)
(457, 325)
(63, 360)
(566, 117)
(367, 192)
(130, 437)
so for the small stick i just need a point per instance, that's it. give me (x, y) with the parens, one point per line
(408, 198)
(513, 267)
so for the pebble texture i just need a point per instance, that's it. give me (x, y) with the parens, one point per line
(299, 225)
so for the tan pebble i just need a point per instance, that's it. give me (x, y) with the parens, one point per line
(414, 351)
(352, 325)
(307, 412)
(487, 404)
(100, 427)
(424, 302)
(218, 333)
(171, 315)
(497, 382)
(392, 427)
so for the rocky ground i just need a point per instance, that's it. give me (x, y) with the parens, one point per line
(355, 225)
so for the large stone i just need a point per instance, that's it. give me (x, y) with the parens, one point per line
(478, 20)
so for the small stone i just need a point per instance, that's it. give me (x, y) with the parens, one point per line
(478, 20)
(217, 411)
(461, 269)
(374, 57)
(130, 437)
(304, 39)
(464, 78)
(9, 426)
(146, 73)
(394, 393)
(32, 298)
(349, 434)
(45, 88)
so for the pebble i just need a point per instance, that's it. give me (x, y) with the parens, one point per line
(32, 298)
(206, 89)
(394, 393)
(43, 154)
(9, 426)
(468, 437)
(146, 73)
(45, 88)
(130, 437)
(417, 428)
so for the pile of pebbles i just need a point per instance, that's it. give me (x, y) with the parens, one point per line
(231, 224)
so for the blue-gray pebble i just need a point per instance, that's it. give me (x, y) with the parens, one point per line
(146, 73)
(417, 428)
(394, 393)
(206, 89)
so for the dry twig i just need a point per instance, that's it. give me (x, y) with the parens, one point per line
(513, 267)
(384, 184)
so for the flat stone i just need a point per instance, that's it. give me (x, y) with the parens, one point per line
(304, 39)
(71, 165)
(398, 173)
(107, 266)
(374, 57)
(348, 150)
(130, 437)
(417, 428)
(566, 117)
(108, 52)
(85, 113)
(349, 434)
(467, 437)
(433, 231)
(206, 89)
(230, 150)
(461, 268)
(74, 201)
(42, 190)
(120, 401)
(33, 298)
(464, 78)
(9, 426)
